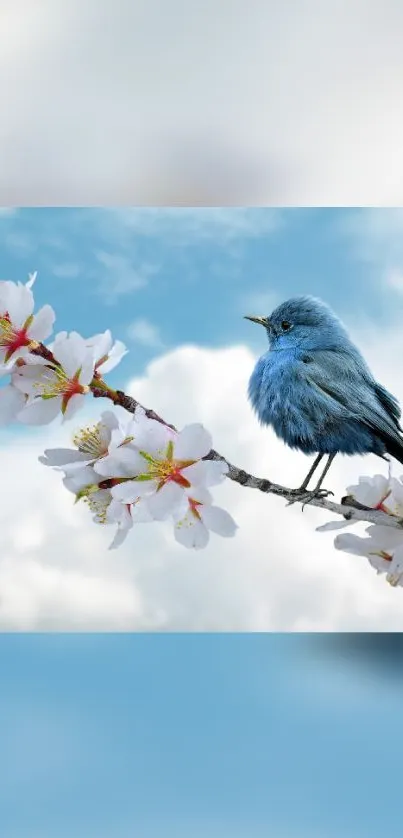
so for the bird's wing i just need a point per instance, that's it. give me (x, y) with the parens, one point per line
(349, 388)
(390, 404)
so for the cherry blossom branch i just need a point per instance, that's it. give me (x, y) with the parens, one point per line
(349, 508)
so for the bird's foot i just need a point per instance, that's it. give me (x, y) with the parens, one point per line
(306, 496)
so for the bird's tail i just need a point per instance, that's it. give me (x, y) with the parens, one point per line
(395, 448)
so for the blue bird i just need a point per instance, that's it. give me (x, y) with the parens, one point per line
(316, 391)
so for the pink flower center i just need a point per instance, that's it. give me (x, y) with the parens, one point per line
(380, 505)
(72, 388)
(175, 476)
(12, 338)
(193, 507)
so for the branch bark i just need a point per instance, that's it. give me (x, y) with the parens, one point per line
(349, 508)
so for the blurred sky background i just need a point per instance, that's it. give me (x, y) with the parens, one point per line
(178, 736)
(189, 103)
(174, 284)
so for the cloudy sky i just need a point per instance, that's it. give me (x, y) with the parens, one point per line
(171, 736)
(175, 284)
(165, 102)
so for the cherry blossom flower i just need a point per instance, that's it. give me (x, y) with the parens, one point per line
(12, 401)
(383, 547)
(85, 484)
(160, 464)
(55, 389)
(21, 330)
(378, 492)
(198, 517)
(107, 353)
(92, 443)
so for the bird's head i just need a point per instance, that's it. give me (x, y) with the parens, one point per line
(302, 321)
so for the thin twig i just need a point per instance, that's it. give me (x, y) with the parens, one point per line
(349, 509)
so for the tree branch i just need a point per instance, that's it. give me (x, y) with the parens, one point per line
(349, 508)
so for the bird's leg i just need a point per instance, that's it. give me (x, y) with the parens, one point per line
(317, 492)
(324, 473)
(311, 471)
(301, 489)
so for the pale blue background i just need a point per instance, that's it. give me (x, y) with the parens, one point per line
(219, 736)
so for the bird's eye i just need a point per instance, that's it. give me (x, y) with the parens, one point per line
(285, 325)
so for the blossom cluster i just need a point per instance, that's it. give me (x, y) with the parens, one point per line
(383, 546)
(141, 472)
(144, 471)
(43, 387)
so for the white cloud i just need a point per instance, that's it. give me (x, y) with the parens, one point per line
(276, 574)
(186, 225)
(375, 237)
(66, 270)
(131, 128)
(259, 302)
(395, 280)
(120, 275)
(375, 234)
(144, 332)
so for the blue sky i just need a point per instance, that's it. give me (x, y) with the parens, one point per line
(171, 736)
(192, 274)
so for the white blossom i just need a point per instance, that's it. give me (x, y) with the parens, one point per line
(91, 443)
(86, 485)
(198, 517)
(157, 461)
(383, 547)
(373, 492)
(21, 330)
(107, 354)
(56, 389)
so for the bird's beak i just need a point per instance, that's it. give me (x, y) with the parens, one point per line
(263, 321)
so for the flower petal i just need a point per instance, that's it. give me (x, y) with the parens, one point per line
(80, 479)
(205, 472)
(101, 343)
(193, 442)
(352, 544)
(115, 356)
(42, 326)
(141, 512)
(73, 406)
(40, 412)
(218, 520)
(166, 501)
(122, 463)
(87, 369)
(20, 303)
(11, 402)
(70, 352)
(191, 532)
(31, 280)
(370, 490)
(131, 490)
(109, 418)
(119, 538)
(334, 525)
(26, 378)
(152, 436)
(55, 457)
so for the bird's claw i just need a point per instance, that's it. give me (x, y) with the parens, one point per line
(305, 496)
